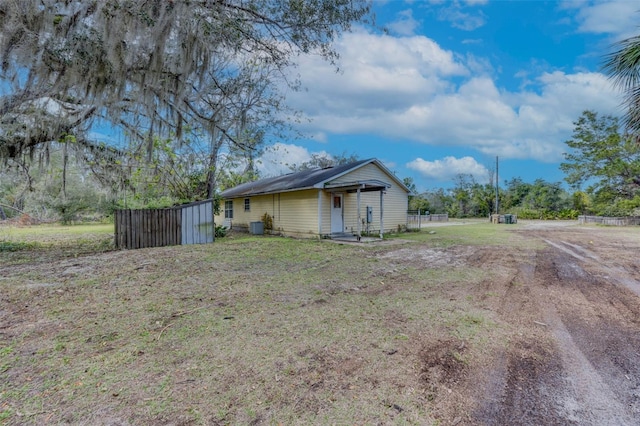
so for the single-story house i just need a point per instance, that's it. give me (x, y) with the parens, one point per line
(355, 198)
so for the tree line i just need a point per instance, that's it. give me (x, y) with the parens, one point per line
(528, 200)
(602, 178)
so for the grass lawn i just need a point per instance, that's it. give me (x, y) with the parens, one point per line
(248, 330)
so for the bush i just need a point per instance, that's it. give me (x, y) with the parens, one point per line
(267, 222)
(524, 213)
(220, 231)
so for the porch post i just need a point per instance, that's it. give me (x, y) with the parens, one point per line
(359, 222)
(381, 213)
(320, 213)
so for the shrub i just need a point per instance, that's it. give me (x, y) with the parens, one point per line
(220, 231)
(267, 222)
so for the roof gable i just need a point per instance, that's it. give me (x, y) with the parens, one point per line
(306, 179)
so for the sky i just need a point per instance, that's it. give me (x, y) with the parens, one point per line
(451, 85)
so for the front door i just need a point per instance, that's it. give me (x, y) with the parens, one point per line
(337, 222)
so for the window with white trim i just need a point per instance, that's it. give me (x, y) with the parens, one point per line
(247, 204)
(228, 209)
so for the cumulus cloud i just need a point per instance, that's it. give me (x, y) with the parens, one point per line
(409, 88)
(449, 167)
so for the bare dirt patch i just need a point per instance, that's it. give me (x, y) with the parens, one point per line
(577, 360)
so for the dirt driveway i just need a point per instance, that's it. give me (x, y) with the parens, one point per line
(575, 306)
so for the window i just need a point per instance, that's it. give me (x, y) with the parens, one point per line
(247, 205)
(228, 209)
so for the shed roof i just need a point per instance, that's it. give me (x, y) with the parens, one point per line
(306, 179)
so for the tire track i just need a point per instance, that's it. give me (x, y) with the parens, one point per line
(618, 275)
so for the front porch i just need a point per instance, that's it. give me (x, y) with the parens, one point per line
(348, 220)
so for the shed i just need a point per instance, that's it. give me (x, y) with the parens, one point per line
(350, 199)
(185, 224)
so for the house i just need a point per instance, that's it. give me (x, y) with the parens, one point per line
(355, 198)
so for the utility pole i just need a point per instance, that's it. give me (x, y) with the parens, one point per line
(497, 207)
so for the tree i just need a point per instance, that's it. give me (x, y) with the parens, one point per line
(439, 201)
(321, 161)
(417, 201)
(472, 198)
(515, 192)
(602, 158)
(580, 202)
(546, 196)
(187, 70)
(74, 60)
(623, 67)
(62, 190)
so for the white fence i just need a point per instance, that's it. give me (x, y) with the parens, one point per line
(613, 221)
(415, 220)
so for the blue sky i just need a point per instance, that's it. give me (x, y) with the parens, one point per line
(453, 84)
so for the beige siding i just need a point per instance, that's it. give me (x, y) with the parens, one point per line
(368, 172)
(293, 213)
(298, 213)
(258, 206)
(326, 212)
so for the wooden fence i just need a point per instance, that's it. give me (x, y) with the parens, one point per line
(187, 224)
(416, 220)
(613, 221)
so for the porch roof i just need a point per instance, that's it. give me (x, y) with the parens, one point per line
(362, 185)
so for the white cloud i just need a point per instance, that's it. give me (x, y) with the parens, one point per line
(377, 72)
(405, 25)
(461, 20)
(277, 159)
(449, 167)
(619, 17)
(410, 89)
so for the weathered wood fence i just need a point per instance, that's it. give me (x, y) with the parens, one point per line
(415, 220)
(186, 224)
(613, 221)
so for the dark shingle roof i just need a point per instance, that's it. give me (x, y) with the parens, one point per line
(291, 182)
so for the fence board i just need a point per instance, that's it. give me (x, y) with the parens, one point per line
(415, 221)
(612, 221)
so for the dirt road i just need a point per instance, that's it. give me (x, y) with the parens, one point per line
(575, 307)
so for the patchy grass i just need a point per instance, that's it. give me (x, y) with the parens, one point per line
(48, 242)
(249, 330)
(472, 233)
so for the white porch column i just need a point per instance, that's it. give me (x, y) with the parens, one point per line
(320, 213)
(381, 213)
(359, 218)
